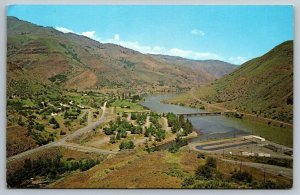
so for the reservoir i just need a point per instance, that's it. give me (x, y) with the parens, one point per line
(209, 127)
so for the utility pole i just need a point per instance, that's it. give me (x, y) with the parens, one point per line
(264, 169)
(223, 151)
(241, 163)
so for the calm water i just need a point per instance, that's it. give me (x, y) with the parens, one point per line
(210, 127)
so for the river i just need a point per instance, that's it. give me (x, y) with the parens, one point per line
(208, 127)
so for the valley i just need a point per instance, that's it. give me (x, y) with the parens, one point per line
(85, 114)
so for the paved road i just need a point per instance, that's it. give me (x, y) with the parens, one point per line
(62, 141)
(82, 148)
(276, 170)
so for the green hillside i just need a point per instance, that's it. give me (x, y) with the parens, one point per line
(262, 86)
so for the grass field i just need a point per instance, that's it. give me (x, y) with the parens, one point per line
(125, 105)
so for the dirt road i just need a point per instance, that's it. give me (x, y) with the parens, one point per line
(62, 141)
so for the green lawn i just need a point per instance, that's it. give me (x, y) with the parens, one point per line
(125, 105)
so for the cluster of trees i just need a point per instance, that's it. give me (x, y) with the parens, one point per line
(154, 119)
(50, 168)
(134, 98)
(139, 117)
(126, 145)
(158, 133)
(179, 124)
(42, 137)
(155, 128)
(118, 129)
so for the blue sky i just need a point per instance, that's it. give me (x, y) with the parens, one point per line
(229, 33)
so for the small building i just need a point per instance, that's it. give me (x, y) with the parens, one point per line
(264, 155)
(82, 107)
(259, 138)
(254, 138)
(248, 154)
(64, 105)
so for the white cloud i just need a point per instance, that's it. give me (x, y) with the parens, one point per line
(149, 49)
(193, 55)
(116, 37)
(89, 34)
(161, 50)
(197, 32)
(64, 30)
(237, 60)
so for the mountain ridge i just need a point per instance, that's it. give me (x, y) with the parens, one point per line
(42, 53)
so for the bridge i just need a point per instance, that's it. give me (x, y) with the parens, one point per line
(201, 114)
(204, 113)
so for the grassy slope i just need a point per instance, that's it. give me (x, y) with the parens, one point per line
(262, 86)
(43, 52)
(136, 170)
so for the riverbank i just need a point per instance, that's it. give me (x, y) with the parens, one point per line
(214, 127)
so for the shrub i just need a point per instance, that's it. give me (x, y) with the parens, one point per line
(212, 184)
(133, 116)
(108, 131)
(173, 148)
(208, 171)
(204, 172)
(126, 145)
(242, 176)
(160, 135)
(188, 181)
(211, 162)
(200, 155)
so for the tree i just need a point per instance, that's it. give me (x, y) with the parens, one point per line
(56, 126)
(108, 130)
(133, 116)
(52, 121)
(160, 135)
(175, 127)
(40, 127)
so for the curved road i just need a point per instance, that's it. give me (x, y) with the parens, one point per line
(62, 141)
